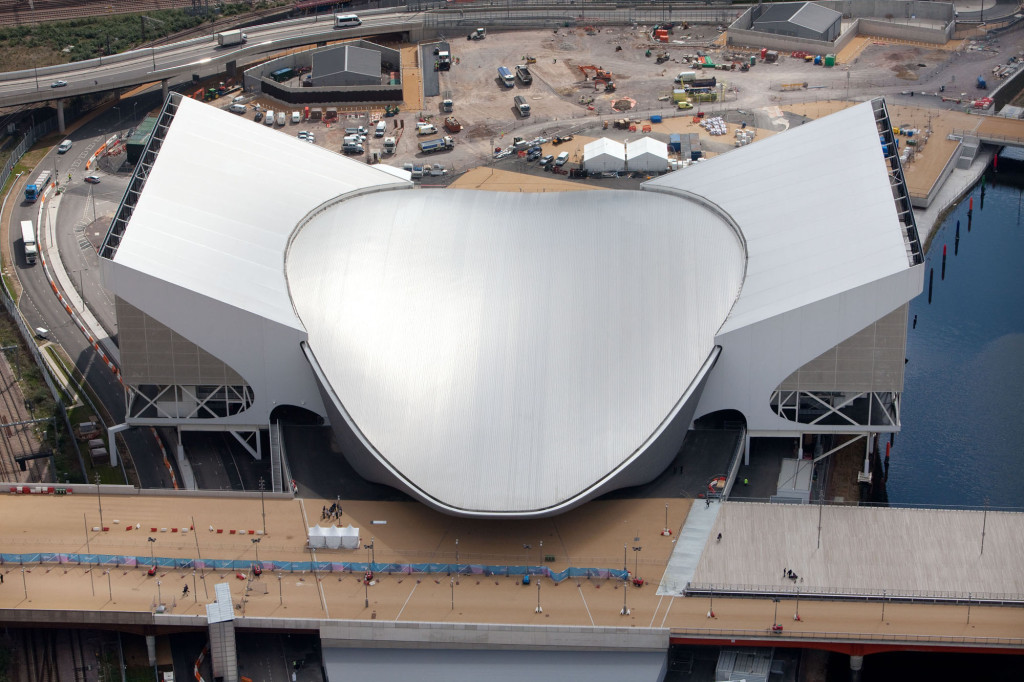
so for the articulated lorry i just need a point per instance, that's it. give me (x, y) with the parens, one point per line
(28, 236)
(439, 145)
(226, 38)
(36, 189)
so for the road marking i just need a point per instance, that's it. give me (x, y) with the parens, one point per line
(580, 590)
(656, 609)
(414, 586)
(665, 617)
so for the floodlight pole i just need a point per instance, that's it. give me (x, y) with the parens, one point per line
(263, 507)
(89, 553)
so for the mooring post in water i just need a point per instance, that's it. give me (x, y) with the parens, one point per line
(969, 219)
(995, 163)
(943, 261)
(931, 280)
(956, 242)
(915, 322)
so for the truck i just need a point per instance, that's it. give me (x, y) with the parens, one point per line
(389, 145)
(506, 77)
(28, 236)
(36, 189)
(703, 82)
(686, 77)
(444, 60)
(452, 125)
(982, 85)
(226, 38)
(523, 73)
(439, 145)
(478, 34)
(522, 106)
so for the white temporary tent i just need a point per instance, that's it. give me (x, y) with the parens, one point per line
(604, 155)
(317, 539)
(333, 537)
(349, 537)
(647, 155)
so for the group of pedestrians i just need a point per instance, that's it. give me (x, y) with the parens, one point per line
(332, 512)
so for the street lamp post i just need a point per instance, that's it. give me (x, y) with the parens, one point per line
(23, 583)
(775, 618)
(152, 560)
(159, 596)
(280, 590)
(110, 588)
(625, 609)
(89, 553)
(366, 593)
(99, 501)
(195, 595)
(625, 564)
(256, 544)
(263, 508)
(456, 552)
(452, 583)
(539, 609)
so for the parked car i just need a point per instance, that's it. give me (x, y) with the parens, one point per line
(547, 159)
(58, 84)
(92, 179)
(258, 117)
(532, 156)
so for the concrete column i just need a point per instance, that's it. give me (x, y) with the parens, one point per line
(867, 456)
(60, 115)
(112, 441)
(856, 663)
(151, 649)
(164, 89)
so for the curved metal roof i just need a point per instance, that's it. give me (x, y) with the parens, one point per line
(506, 355)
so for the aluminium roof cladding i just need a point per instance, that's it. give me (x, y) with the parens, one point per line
(221, 201)
(815, 17)
(815, 208)
(506, 355)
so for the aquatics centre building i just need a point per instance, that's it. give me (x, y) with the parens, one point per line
(512, 355)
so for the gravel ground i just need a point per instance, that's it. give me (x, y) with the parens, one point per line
(486, 111)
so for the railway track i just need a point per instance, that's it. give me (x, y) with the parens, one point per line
(17, 12)
(14, 440)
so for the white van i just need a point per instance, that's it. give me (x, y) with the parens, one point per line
(561, 159)
(64, 147)
(282, 118)
(269, 120)
(238, 108)
(382, 127)
(425, 129)
(296, 117)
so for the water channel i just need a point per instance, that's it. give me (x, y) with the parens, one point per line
(962, 441)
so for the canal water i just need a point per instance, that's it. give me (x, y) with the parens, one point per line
(962, 441)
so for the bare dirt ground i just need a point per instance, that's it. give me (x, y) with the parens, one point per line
(560, 96)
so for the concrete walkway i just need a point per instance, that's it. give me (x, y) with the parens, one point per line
(690, 543)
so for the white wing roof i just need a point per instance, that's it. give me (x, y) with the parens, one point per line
(222, 199)
(505, 355)
(604, 145)
(814, 206)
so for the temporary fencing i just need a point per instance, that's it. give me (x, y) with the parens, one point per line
(127, 561)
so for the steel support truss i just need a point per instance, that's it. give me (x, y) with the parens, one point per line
(176, 401)
(879, 410)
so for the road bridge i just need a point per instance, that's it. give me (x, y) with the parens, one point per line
(882, 578)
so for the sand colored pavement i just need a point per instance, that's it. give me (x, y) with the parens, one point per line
(593, 535)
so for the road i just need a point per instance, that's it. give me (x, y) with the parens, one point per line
(200, 56)
(40, 305)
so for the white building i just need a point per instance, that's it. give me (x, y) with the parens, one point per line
(646, 155)
(489, 360)
(604, 156)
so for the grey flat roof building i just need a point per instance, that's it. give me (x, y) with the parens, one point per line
(798, 19)
(347, 65)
